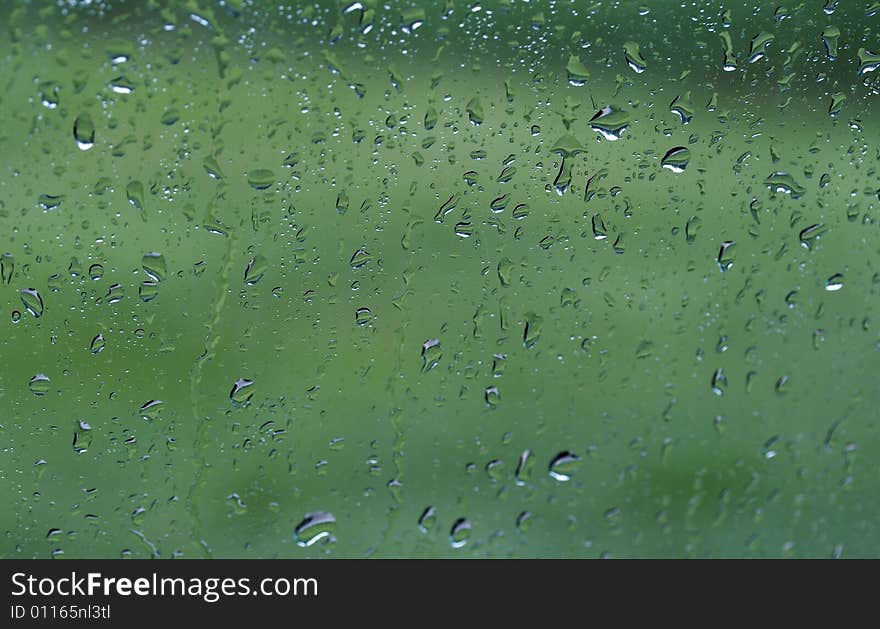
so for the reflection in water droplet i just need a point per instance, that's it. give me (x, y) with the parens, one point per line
(316, 526)
(460, 533)
(39, 384)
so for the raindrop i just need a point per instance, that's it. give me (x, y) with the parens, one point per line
(154, 266)
(834, 283)
(493, 397)
(432, 352)
(97, 345)
(524, 468)
(532, 331)
(316, 526)
(242, 391)
(634, 58)
(428, 519)
(610, 122)
(84, 132)
(255, 269)
(261, 178)
(676, 159)
(32, 301)
(151, 409)
(39, 384)
(563, 466)
(360, 258)
(362, 316)
(460, 533)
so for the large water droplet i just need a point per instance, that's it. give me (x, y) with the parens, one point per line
(39, 384)
(563, 466)
(460, 532)
(32, 301)
(610, 122)
(316, 526)
(242, 391)
(676, 159)
(432, 352)
(428, 519)
(84, 132)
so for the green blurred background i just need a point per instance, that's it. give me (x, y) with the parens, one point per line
(288, 162)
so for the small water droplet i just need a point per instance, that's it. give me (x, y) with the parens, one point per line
(610, 122)
(362, 316)
(255, 269)
(360, 258)
(493, 397)
(154, 266)
(261, 178)
(524, 467)
(150, 410)
(634, 59)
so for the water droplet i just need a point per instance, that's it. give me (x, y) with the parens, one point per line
(84, 132)
(97, 345)
(610, 122)
(532, 331)
(676, 159)
(115, 293)
(96, 271)
(524, 468)
(781, 181)
(135, 193)
(16, 316)
(151, 409)
(808, 235)
(682, 107)
(830, 37)
(523, 520)
(493, 397)
(315, 527)
(154, 266)
(577, 71)
(7, 267)
(169, 117)
(432, 352)
(446, 208)
(868, 61)
(428, 519)
(255, 269)
(39, 384)
(460, 533)
(719, 382)
(634, 58)
(837, 100)
(121, 85)
(430, 118)
(725, 255)
(563, 466)
(32, 301)
(475, 110)
(147, 291)
(360, 258)
(729, 63)
(758, 45)
(834, 283)
(362, 316)
(242, 391)
(495, 470)
(261, 178)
